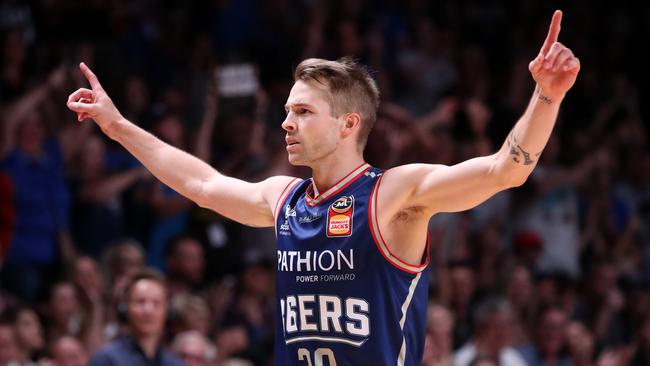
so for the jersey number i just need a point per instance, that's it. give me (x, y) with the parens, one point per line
(319, 356)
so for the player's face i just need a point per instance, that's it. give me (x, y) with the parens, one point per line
(312, 131)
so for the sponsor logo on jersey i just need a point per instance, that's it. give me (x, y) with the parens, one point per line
(289, 212)
(339, 217)
(284, 227)
(325, 318)
(314, 260)
(308, 219)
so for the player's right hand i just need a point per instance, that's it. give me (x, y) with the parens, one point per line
(94, 103)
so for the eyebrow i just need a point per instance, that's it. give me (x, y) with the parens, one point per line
(299, 104)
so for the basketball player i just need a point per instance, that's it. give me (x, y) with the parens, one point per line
(352, 252)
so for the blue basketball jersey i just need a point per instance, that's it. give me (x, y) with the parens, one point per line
(343, 297)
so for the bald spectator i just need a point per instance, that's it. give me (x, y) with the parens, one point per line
(189, 313)
(68, 351)
(194, 349)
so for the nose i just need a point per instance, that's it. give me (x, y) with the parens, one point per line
(288, 125)
(149, 307)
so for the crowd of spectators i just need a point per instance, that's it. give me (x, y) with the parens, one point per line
(556, 272)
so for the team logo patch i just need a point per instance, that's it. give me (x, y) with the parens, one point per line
(339, 217)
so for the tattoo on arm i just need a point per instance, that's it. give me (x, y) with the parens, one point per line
(517, 152)
(545, 99)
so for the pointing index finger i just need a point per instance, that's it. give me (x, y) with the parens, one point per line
(553, 32)
(92, 79)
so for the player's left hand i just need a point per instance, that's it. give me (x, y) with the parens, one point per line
(555, 68)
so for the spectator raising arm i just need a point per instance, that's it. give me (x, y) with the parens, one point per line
(15, 113)
(248, 203)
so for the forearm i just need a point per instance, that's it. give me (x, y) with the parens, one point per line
(526, 141)
(179, 170)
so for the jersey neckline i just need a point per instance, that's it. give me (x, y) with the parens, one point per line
(339, 186)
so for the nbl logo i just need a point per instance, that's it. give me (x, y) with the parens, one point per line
(339, 217)
(342, 205)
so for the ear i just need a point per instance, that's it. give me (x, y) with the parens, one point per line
(351, 123)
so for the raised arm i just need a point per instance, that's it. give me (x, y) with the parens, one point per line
(15, 113)
(248, 203)
(438, 188)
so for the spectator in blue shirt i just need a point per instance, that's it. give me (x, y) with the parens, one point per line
(144, 308)
(40, 200)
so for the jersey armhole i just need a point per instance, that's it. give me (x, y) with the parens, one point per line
(381, 243)
(283, 197)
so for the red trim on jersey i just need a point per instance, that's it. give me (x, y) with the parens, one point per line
(381, 243)
(283, 197)
(314, 201)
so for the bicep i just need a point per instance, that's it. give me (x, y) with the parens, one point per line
(247, 203)
(458, 187)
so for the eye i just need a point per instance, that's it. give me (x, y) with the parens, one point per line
(302, 111)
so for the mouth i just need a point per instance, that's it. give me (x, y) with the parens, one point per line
(292, 146)
(291, 142)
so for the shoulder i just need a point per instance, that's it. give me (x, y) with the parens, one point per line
(279, 183)
(109, 353)
(171, 359)
(400, 183)
(407, 178)
(275, 187)
(417, 170)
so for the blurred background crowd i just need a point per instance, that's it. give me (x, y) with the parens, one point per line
(556, 272)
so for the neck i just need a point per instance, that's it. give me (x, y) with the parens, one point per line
(328, 172)
(149, 344)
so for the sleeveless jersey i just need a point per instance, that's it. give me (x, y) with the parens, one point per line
(343, 298)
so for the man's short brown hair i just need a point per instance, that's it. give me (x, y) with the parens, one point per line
(145, 273)
(350, 89)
